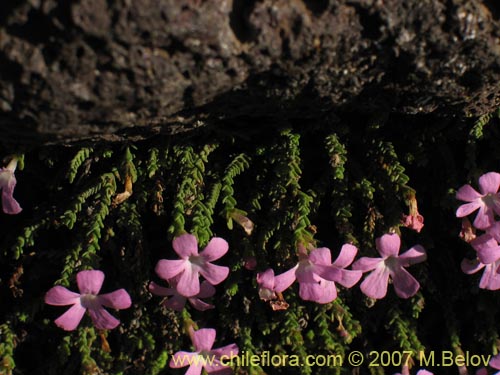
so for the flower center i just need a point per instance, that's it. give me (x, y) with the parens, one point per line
(89, 301)
(197, 260)
(489, 199)
(391, 262)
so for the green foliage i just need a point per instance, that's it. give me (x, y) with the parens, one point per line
(81, 157)
(116, 207)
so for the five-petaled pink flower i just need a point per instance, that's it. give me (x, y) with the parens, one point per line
(317, 274)
(7, 184)
(192, 264)
(204, 357)
(390, 265)
(488, 201)
(265, 280)
(488, 257)
(89, 284)
(176, 301)
(490, 279)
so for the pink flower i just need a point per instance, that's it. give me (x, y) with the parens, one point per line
(7, 184)
(204, 357)
(490, 279)
(488, 201)
(176, 301)
(415, 222)
(250, 263)
(265, 280)
(390, 265)
(495, 362)
(317, 275)
(89, 285)
(487, 248)
(191, 265)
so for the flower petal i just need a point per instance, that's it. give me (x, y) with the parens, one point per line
(203, 339)
(71, 318)
(158, 290)
(484, 218)
(495, 362)
(119, 299)
(183, 359)
(196, 367)
(176, 302)
(346, 256)
(311, 291)
(214, 274)
(215, 249)
(103, 319)
(228, 350)
(468, 208)
(424, 372)
(470, 266)
(404, 283)
(494, 231)
(206, 290)
(285, 279)
(266, 279)
(60, 296)
(375, 284)
(491, 278)
(306, 272)
(366, 264)
(413, 255)
(199, 305)
(489, 183)
(185, 245)
(349, 278)
(467, 194)
(326, 272)
(388, 245)
(487, 248)
(9, 204)
(189, 282)
(322, 255)
(90, 282)
(329, 292)
(168, 269)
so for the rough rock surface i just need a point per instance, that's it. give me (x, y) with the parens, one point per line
(71, 69)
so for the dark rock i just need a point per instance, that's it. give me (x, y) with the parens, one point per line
(90, 68)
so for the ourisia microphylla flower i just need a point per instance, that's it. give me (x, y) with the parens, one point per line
(89, 284)
(488, 257)
(187, 270)
(204, 356)
(176, 301)
(391, 265)
(317, 274)
(267, 290)
(7, 184)
(488, 201)
(250, 263)
(487, 248)
(495, 362)
(490, 279)
(265, 280)
(414, 220)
